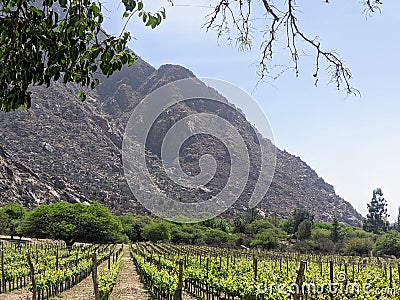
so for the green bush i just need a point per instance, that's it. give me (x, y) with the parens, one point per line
(180, 236)
(268, 239)
(304, 230)
(388, 244)
(216, 237)
(157, 231)
(133, 225)
(258, 226)
(358, 246)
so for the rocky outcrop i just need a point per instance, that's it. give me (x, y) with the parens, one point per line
(20, 184)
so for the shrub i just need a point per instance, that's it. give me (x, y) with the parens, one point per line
(358, 246)
(157, 231)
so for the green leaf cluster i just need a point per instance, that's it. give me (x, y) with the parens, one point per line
(59, 40)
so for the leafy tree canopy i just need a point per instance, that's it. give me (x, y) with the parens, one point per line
(268, 238)
(358, 246)
(160, 231)
(388, 244)
(397, 224)
(216, 237)
(304, 230)
(258, 226)
(320, 234)
(335, 236)
(11, 216)
(44, 41)
(72, 223)
(299, 215)
(132, 226)
(217, 223)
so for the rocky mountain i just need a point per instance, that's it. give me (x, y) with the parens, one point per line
(73, 150)
(19, 183)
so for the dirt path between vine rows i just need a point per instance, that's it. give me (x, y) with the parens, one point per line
(22, 294)
(128, 285)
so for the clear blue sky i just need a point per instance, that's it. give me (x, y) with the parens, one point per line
(352, 142)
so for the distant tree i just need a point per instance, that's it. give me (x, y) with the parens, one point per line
(216, 237)
(217, 223)
(268, 238)
(299, 215)
(322, 240)
(3, 222)
(247, 217)
(181, 236)
(322, 225)
(388, 244)
(12, 215)
(72, 223)
(239, 225)
(259, 226)
(304, 230)
(358, 246)
(320, 233)
(157, 231)
(252, 214)
(397, 224)
(335, 236)
(132, 226)
(287, 226)
(377, 217)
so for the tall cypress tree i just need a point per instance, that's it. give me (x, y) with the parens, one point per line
(377, 216)
(335, 230)
(397, 225)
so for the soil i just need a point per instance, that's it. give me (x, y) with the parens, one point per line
(128, 285)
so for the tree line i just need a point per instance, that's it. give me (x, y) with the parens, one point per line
(94, 223)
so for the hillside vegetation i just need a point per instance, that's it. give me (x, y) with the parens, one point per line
(94, 223)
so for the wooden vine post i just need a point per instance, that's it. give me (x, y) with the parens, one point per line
(3, 277)
(299, 281)
(94, 277)
(178, 293)
(255, 268)
(109, 259)
(32, 274)
(57, 258)
(331, 278)
(398, 270)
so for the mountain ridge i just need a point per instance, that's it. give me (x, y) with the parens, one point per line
(81, 143)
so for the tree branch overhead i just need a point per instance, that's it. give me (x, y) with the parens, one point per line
(281, 21)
